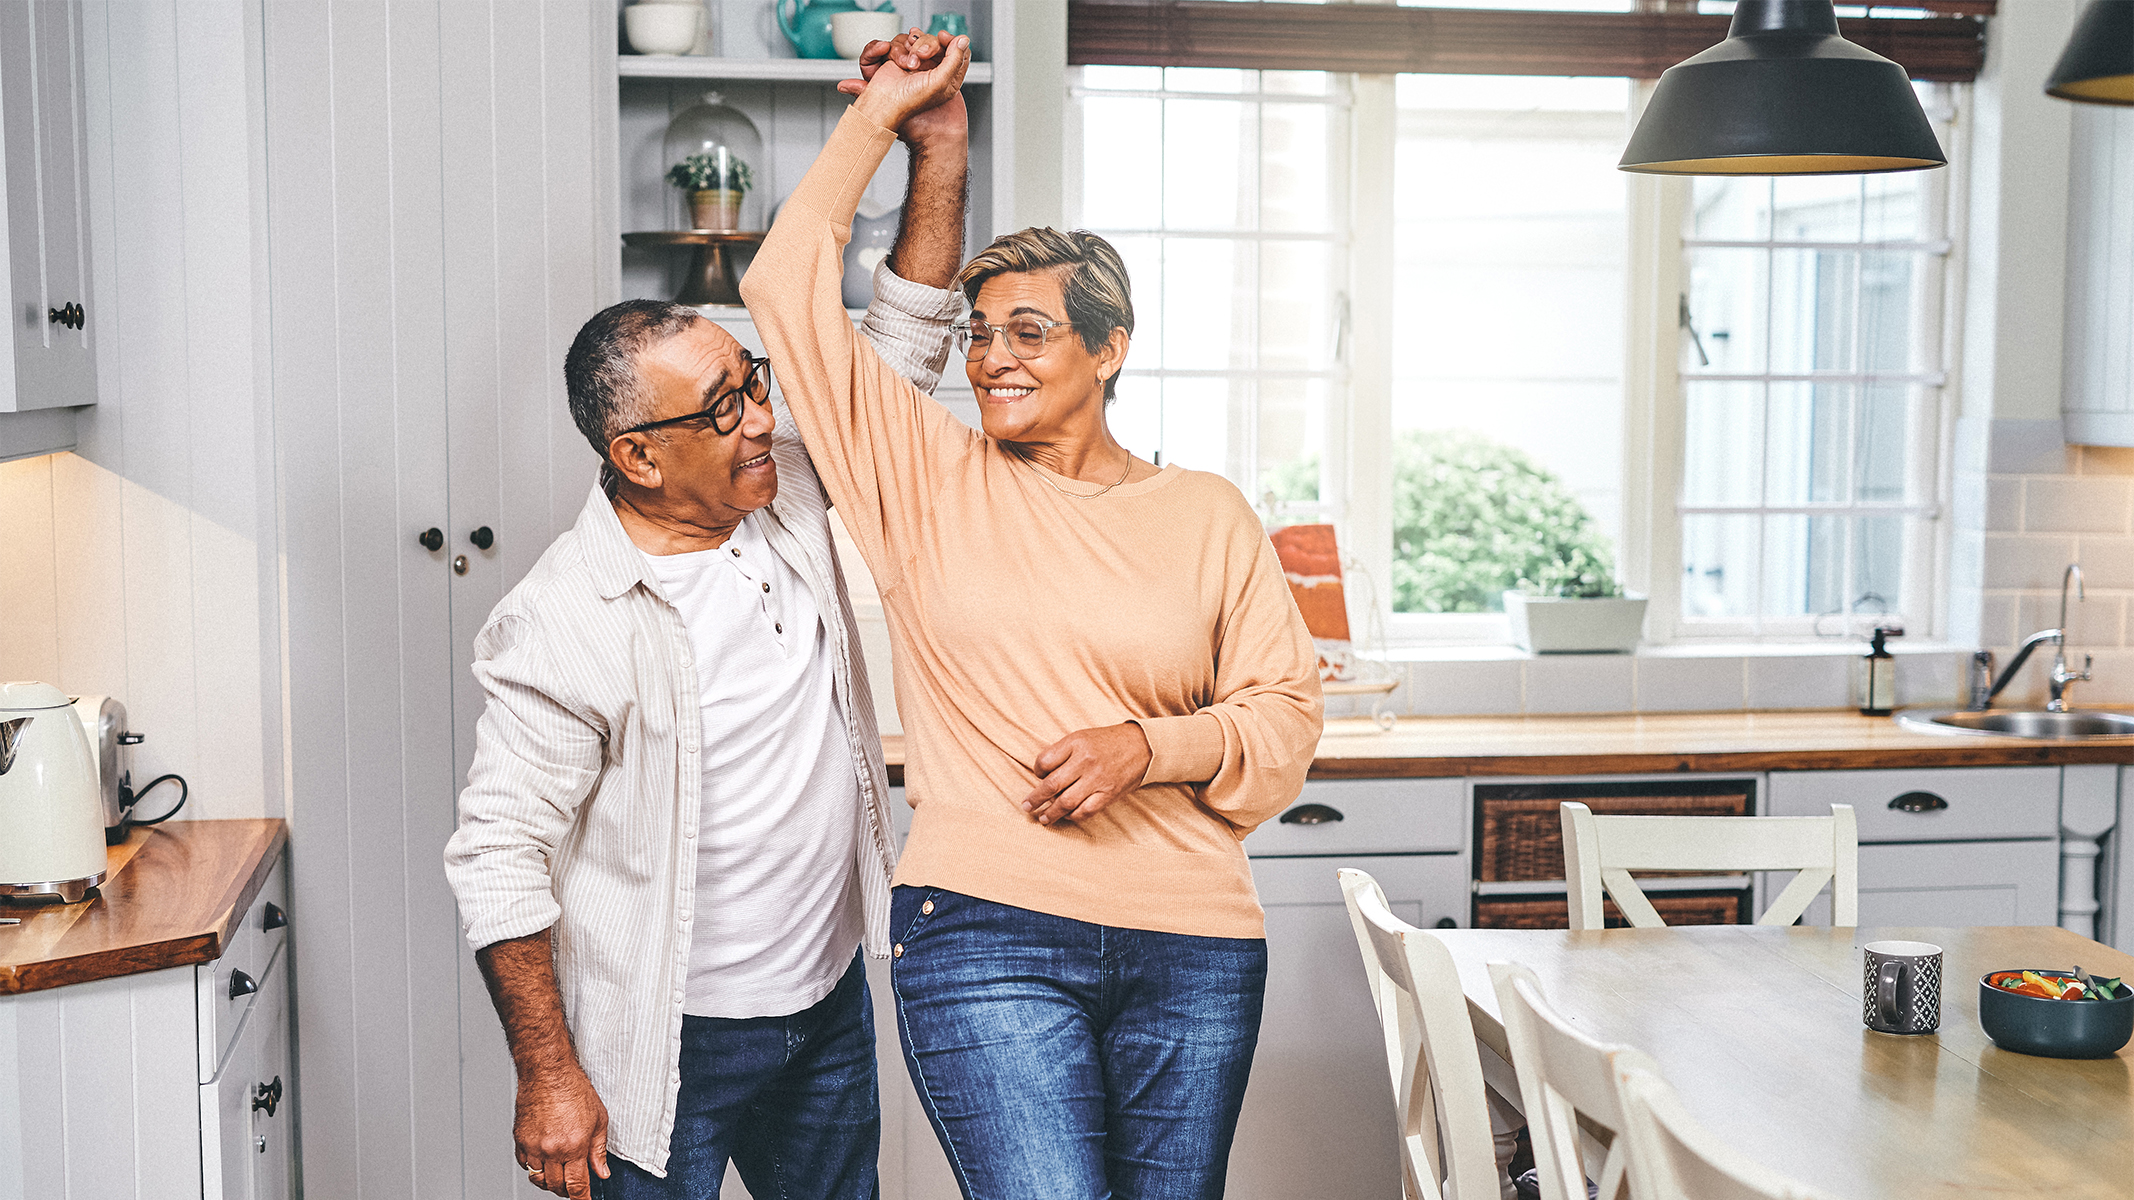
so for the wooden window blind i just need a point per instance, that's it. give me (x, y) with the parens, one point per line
(1948, 45)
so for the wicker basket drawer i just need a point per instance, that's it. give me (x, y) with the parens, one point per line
(1554, 912)
(1520, 828)
(1367, 816)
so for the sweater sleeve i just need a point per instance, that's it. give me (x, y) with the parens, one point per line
(880, 446)
(1254, 743)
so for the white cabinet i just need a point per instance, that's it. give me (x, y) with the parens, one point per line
(155, 1085)
(1969, 846)
(43, 227)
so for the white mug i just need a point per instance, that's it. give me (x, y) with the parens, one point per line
(851, 31)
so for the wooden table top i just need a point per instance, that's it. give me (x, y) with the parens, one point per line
(1815, 740)
(171, 897)
(1759, 1030)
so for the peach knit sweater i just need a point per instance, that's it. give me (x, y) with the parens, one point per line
(1019, 615)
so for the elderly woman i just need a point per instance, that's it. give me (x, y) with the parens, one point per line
(1104, 686)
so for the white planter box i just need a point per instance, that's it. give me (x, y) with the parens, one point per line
(1559, 625)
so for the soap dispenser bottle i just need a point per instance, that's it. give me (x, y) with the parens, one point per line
(1878, 674)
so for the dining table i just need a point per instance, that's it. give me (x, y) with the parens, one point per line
(1760, 1030)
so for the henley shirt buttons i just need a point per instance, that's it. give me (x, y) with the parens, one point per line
(778, 628)
(766, 587)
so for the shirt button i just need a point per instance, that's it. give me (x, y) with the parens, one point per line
(897, 951)
(766, 587)
(927, 908)
(736, 550)
(777, 628)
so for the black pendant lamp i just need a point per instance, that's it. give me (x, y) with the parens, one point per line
(1783, 95)
(2098, 65)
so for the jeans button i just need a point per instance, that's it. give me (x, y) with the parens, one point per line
(897, 951)
(927, 908)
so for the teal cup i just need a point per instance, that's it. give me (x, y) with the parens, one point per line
(952, 24)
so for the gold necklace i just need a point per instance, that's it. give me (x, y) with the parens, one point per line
(1084, 495)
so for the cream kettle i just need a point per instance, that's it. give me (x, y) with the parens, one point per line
(51, 817)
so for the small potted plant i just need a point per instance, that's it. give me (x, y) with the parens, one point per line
(1575, 608)
(715, 181)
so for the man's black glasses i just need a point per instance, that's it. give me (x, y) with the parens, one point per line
(725, 412)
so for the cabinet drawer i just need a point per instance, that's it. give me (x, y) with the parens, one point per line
(1367, 816)
(1974, 883)
(223, 997)
(1959, 804)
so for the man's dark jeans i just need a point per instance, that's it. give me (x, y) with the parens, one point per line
(1061, 1060)
(792, 1101)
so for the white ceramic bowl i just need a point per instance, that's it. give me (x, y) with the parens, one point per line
(851, 31)
(662, 28)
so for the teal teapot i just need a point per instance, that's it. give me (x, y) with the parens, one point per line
(808, 28)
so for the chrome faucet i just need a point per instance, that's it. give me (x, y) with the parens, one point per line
(2059, 679)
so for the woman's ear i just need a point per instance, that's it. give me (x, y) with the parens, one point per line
(631, 455)
(1112, 355)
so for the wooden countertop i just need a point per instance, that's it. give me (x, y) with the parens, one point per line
(1821, 740)
(172, 896)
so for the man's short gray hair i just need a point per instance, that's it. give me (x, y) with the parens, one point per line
(607, 395)
(1093, 282)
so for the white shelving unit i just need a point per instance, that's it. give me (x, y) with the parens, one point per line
(777, 70)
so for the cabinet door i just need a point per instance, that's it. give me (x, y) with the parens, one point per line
(1318, 1118)
(1954, 883)
(272, 1131)
(43, 231)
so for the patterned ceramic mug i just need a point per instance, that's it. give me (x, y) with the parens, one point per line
(1900, 991)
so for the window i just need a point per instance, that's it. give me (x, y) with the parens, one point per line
(1226, 193)
(1784, 476)
(1811, 376)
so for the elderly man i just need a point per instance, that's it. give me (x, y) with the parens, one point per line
(673, 839)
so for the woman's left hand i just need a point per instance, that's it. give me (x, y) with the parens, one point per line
(1086, 770)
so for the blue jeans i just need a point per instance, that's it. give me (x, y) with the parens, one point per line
(1060, 1060)
(791, 1100)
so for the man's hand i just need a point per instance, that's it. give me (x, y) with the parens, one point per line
(947, 123)
(918, 73)
(562, 1132)
(1086, 770)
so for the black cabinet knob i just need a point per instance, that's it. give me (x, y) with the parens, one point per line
(274, 918)
(1447, 923)
(1311, 814)
(242, 984)
(432, 538)
(267, 1096)
(1918, 802)
(72, 316)
(482, 538)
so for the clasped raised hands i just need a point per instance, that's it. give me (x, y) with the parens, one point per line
(912, 75)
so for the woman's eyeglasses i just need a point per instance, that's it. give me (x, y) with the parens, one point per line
(724, 414)
(1026, 336)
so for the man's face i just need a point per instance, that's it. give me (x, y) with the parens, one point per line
(705, 476)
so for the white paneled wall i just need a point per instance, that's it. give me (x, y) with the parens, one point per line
(142, 565)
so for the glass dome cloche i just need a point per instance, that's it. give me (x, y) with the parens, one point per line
(712, 154)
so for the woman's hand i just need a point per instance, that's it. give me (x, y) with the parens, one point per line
(1086, 770)
(915, 73)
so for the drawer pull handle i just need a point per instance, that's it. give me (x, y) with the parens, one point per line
(275, 918)
(267, 1096)
(1447, 923)
(241, 984)
(1918, 802)
(1311, 814)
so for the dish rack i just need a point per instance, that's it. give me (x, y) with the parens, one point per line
(1348, 673)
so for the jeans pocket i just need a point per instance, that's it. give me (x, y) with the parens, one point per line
(923, 906)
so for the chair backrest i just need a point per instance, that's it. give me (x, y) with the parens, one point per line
(1674, 1158)
(1563, 1075)
(1430, 1050)
(1599, 852)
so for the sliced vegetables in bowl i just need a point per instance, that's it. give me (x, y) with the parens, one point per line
(2057, 985)
(2056, 1014)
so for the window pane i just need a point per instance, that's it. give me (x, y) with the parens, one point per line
(1292, 441)
(1721, 455)
(1894, 207)
(1809, 444)
(1815, 208)
(1209, 79)
(1205, 142)
(1883, 443)
(1123, 139)
(1878, 564)
(1719, 567)
(1296, 83)
(1208, 303)
(1136, 416)
(1813, 298)
(1143, 257)
(1123, 79)
(1200, 424)
(1803, 566)
(1731, 208)
(1297, 310)
(1727, 295)
(1886, 312)
(1297, 191)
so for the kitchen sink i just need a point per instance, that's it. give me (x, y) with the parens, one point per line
(2088, 725)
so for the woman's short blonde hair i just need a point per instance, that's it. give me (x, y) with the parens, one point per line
(1092, 277)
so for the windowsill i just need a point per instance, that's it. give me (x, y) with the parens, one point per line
(1458, 652)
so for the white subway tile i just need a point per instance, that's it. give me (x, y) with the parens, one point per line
(1937, 679)
(2097, 621)
(2027, 561)
(1690, 684)
(1579, 683)
(1449, 689)
(1800, 681)
(1996, 619)
(2075, 505)
(2004, 504)
(2107, 562)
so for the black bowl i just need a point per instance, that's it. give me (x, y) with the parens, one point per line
(2054, 1028)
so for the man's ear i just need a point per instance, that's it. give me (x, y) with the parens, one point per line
(631, 454)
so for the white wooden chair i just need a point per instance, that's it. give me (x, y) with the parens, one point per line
(1674, 1158)
(1447, 1149)
(1564, 1076)
(1600, 852)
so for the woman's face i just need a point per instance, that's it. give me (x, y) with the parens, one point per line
(1056, 393)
